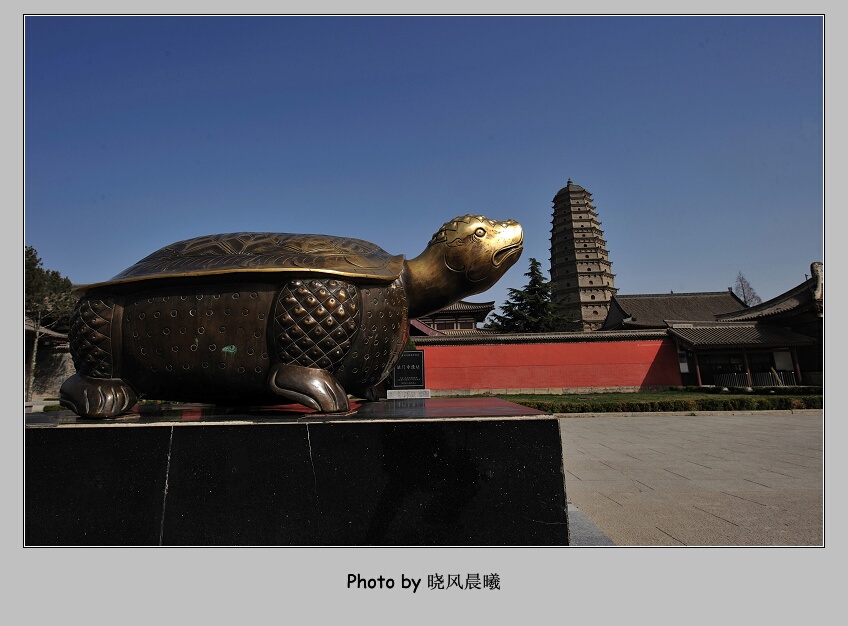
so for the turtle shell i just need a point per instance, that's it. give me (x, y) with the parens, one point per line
(263, 252)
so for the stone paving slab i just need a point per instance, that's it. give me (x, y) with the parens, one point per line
(718, 479)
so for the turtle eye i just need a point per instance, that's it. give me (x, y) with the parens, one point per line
(480, 232)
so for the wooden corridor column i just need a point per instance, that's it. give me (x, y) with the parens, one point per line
(797, 366)
(697, 367)
(747, 368)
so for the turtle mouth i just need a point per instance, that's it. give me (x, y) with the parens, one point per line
(508, 252)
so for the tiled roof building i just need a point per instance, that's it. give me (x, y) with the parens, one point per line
(460, 318)
(652, 310)
(724, 342)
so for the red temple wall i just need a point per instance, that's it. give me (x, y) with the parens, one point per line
(589, 365)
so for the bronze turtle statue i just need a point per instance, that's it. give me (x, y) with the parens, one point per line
(264, 318)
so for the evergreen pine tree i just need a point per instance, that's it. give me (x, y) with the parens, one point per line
(49, 302)
(530, 310)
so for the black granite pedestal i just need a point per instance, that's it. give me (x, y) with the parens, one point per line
(438, 471)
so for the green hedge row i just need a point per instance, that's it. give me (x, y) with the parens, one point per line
(761, 391)
(753, 403)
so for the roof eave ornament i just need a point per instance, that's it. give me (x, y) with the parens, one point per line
(817, 271)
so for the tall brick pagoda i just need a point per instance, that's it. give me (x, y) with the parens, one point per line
(582, 281)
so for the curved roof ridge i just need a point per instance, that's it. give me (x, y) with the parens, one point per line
(672, 294)
(811, 291)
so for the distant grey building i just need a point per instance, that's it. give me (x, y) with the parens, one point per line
(582, 282)
(641, 311)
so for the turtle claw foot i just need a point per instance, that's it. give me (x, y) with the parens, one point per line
(310, 386)
(96, 398)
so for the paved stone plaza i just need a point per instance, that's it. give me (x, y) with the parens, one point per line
(717, 479)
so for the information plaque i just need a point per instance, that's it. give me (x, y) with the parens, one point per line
(409, 371)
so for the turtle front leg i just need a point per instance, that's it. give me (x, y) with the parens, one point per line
(316, 388)
(96, 398)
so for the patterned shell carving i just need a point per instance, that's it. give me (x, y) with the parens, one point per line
(264, 252)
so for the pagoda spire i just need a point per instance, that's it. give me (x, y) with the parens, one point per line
(582, 281)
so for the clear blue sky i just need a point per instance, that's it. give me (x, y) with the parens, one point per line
(699, 137)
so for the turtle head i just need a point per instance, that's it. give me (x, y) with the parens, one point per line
(466, 256)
